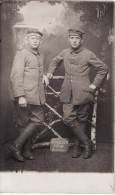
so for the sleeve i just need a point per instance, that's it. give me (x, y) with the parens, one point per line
(43, 64)
(56, 63)
(101, 69)
(17, 75)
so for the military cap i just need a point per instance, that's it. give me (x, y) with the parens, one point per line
(33, 31)
(73, 32)
(27, 29)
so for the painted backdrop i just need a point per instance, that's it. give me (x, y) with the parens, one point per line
(54, 19)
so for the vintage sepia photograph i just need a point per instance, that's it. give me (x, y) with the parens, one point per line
(56, 83)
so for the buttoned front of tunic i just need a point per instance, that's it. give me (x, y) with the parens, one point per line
(26, 76)
(77, 65)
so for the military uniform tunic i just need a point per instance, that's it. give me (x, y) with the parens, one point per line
(77, 65)
(26, 80)
(26, 76)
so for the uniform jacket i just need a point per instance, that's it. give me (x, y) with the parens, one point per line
(77, 66)
(26, 77)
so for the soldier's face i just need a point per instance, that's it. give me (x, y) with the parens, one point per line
(34, 41)
(75, 41)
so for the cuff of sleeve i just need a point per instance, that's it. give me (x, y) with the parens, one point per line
(19, 94)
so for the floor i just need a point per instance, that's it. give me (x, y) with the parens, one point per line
(47, 161)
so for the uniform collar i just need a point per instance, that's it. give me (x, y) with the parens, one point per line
(76, 50)
(36, 52)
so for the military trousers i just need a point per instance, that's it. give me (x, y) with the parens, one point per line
(71, 113)
(30, 113)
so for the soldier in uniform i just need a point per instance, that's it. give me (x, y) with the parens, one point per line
(77, 91)
(27, 87)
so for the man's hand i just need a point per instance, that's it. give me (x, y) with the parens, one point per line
(22, 102)
(49, 75)
(92, 88)
(45, 80)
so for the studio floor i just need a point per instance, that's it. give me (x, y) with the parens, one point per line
(47, 161)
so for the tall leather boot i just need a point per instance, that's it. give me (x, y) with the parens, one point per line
(76, 150)
(79, 130)
(16, 148)
(15, 151)
(27, 150)
(87, 150)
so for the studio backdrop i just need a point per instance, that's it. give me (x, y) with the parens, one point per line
(54, 19)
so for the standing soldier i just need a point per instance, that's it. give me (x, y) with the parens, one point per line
(28, 93)
(77, 91)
